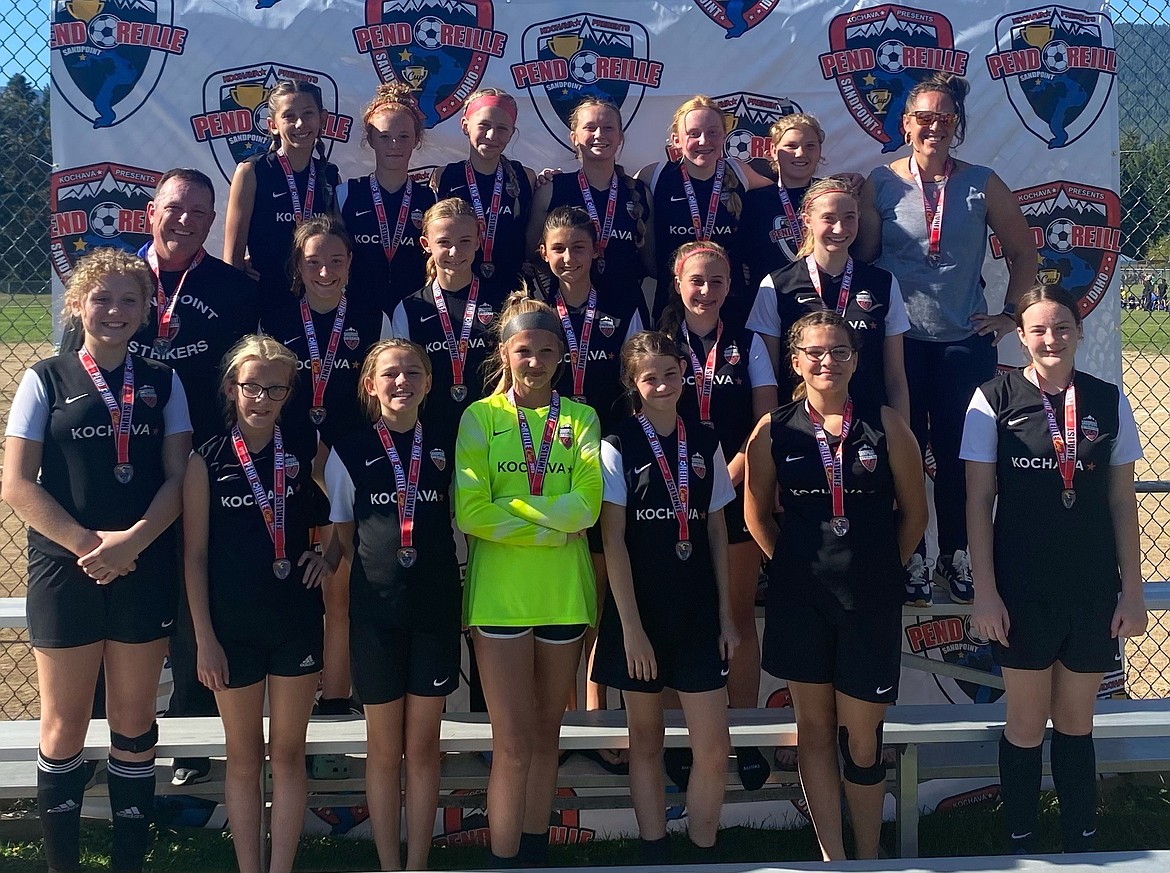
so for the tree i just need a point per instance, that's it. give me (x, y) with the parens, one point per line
(26, 156)
(1145, 191)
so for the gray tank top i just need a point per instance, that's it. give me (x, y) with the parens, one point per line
(939, 300)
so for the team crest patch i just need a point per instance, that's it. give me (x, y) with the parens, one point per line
(864, 300)
(754, 114)
(416, 218)
(1077, 230)
(565, 435)
(351, 337)
(868, 457)
(877, 55)
(699, 465)
(108, 55)
(485, 313)
(565, 60)
(439, 458)
(1089, 428)
(731, 354)
(97, 205)
(148, 395)
(736, 17)
(437, 48)
(291, 465)
(234, 121)
(606, 324)
(1058, 66)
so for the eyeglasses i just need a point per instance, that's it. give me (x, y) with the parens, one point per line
(946, 119)
(840, 354)
(276, 393)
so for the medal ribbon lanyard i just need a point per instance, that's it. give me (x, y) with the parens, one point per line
(121, 417)
(273, 512)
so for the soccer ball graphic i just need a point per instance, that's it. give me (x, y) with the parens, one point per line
(889, 56)
(739, 145)
(103, 31)
(1055, 56)
(426, 32)
(103, 218)
(583, 67)
(1059, 235)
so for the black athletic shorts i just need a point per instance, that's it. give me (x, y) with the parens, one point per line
(737, 531)
(1074, 632)
(66, 608)
(275, 647)
(553, 634)
(389, 663)
(684, 664)
(813, 639)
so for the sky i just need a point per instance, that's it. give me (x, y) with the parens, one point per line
(25, 25)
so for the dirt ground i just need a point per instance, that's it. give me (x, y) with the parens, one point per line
(1147, 382)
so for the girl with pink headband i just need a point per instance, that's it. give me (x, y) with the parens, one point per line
(729, 385)
(498, 189)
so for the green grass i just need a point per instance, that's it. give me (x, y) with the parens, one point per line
(1134, 815)
(25, 318)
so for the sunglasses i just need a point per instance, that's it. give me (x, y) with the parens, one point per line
(946, 119)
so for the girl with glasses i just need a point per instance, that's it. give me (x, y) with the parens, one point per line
(833, 617)
(253, 584)
(925, 218)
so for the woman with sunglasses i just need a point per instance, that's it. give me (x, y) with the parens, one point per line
(925, 218)
(833, 617)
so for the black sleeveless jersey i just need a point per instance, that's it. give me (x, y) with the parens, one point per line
(768, 241)
(371, 276)
(364, 325)
(673, 226)
(417, 319)
(731, 393)
(617, 318)
(508, 254)
(218, 305)
(241, 584)
(623, 271)
(270, 232)
(79, 452)
(426, 595)
(677, 600)
(861, 570)
(1042, 550)
(869, 304)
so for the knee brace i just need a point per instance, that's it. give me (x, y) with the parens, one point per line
(136, 745)
(875, 773)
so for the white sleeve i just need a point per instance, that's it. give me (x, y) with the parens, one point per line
(722, 491)
(760, 370)
(176, 416)
(635, 325)
(613, 480)
(764, 318)
(980, 433)
(339, 487)
(29, 416)
(387, 327)
(342, 193)
(400, 324)
(1128, 447)
(897, 320)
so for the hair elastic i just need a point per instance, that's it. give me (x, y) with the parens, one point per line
(492, 101)
(536, 320)
(844, 189)
(703, 250)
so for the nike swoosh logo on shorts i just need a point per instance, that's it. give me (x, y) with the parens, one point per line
(168, 623)
(362, 212)
(1012, 422)
(724, 671)
(1016, 836)
(885, 690)
(1117, 657)
(788, 459)
(439, 683)
(75, 399)
(370, 461)
(429, 317)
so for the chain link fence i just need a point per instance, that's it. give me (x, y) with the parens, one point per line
(1142, 34)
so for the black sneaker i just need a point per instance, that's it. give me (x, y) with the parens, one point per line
(954, 573)
(188, 771)
(918, 587)
(336, 709)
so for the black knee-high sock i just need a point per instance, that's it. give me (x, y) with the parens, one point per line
(60, 788)
(1019, 786)
(1074, 773)
(131, 785)
(656, 851)
(533, 849)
